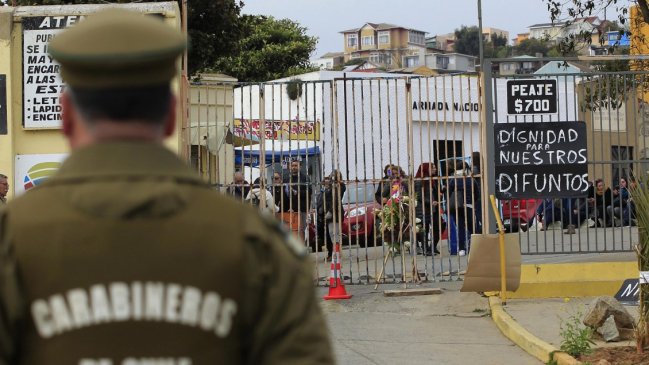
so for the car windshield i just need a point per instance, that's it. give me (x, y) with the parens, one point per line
(361, 193)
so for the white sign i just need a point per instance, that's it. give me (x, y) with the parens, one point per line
(33, 170)
(42, 83)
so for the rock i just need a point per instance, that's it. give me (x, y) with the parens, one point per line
(608, 330)
(626, 334)
(603, 362)
(603, 307)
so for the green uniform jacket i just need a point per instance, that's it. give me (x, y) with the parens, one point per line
(125, 256)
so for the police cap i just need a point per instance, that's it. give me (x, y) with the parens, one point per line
(118, 48)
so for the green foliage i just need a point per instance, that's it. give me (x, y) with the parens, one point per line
(213, 27)
(574, 10)
(552, 361)
(354, 61)
(269, 49)
(248, 47)
(498, 40)
(394, 218)
(531, 47)
(577, 338)
(294, 89)
(467, 40)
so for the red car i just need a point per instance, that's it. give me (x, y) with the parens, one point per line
(517, 214)
(358, 225)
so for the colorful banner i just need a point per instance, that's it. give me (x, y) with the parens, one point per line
(283, 130)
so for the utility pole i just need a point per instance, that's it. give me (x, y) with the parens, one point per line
(480, 41)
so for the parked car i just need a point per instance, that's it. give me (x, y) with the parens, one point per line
(519, 214)
(358, 226)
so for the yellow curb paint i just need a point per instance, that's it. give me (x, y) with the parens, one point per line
(573, 279)
(524, 339)
(586, 271)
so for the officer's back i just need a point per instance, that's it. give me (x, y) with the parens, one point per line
(125, 256)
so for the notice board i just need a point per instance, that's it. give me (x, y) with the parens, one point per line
(541, 160)
(42, 83)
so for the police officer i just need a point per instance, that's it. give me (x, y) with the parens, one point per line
(126, 256)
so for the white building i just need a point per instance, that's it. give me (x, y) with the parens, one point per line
(361, 122)
(442, 62)
(329, 60)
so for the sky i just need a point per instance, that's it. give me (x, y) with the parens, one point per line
(325, 18)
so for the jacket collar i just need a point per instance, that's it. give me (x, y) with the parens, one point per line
(123, 159)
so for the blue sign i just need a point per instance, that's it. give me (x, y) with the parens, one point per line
(617, 39)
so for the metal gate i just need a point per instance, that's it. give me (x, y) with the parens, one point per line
(345, 157)
(612, 105)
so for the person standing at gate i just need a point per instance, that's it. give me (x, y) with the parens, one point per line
(239, 188)
(4, 189)
(334, 209)
(460, 205)
(427, 209)
(385, 180)
(396, 187)
(280, 196)
(298, 191)
(125, 254)
(260, 197)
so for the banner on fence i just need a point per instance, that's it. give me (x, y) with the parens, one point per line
(278, 129)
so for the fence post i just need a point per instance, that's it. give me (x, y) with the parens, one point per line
(487, 148)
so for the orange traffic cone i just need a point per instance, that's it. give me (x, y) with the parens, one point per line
(336, 286)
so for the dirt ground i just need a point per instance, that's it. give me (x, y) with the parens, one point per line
(626, 355)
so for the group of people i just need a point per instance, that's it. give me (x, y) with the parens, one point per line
(460, 190)
(604, 207)
(288, 193)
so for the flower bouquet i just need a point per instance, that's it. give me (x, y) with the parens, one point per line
(396, 224)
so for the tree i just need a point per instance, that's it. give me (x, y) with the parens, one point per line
(467, 40)
(213, 26)
(498, 40)
(269, 49)
(572, 11)
(531, 47)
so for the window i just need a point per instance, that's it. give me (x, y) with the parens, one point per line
(384, 37)
(351, 40)
(382, 58)
(412, 61)
(328, 65)
(442, 62)
(368, 41)
(416, 37)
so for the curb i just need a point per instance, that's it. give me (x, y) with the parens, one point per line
(524, 339)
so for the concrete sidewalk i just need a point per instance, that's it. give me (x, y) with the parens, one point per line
(449, 328)
(543, 318)
(551, 293)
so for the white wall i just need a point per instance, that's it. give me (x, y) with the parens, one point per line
(373, 127)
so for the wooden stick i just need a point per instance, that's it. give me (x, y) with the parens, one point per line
(385, 261)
